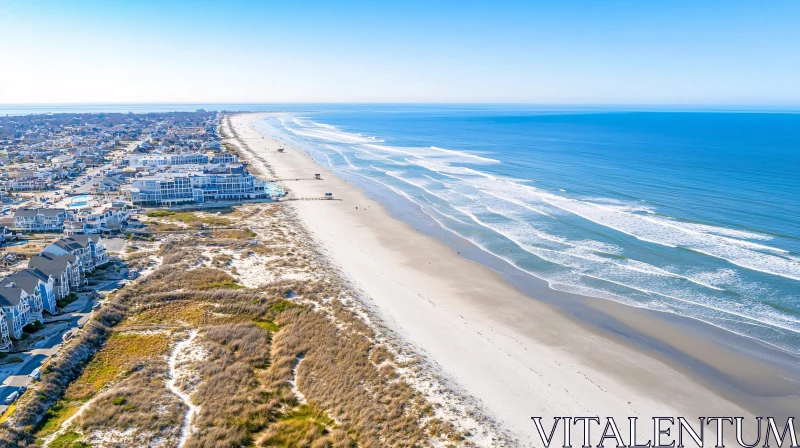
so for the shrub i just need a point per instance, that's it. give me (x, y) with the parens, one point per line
(33, 327)
(159, 213)
(11, 360)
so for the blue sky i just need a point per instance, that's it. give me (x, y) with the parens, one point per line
(552, 52)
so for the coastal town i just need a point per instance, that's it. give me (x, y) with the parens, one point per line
(72, 189)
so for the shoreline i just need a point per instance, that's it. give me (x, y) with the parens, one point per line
(511, 348)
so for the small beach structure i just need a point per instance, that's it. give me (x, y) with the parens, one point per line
(328, 195)
(318, 176)
(280, 149)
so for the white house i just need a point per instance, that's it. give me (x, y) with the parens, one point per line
(40, 219)
(99, 220)
(108, 184)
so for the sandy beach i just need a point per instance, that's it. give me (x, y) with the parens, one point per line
(517, 357)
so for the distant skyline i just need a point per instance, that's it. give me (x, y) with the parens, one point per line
(566, 52)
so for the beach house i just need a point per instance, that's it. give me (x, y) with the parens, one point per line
(29, 181)
(101, 219)
(108, 184)
(16, 305)
(40, 219)
(39, 287)
(64, 269)
(89, 250)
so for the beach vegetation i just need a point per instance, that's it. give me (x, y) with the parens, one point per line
(69, 440)
(67, 299)
(237, 234)
(267, 325)
(121, 352)
(56, 415)
(33, 327)
(11, 360)
(259, 346)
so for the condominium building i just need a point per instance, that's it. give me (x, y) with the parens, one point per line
(212, 184)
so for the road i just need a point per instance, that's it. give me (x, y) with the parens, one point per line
(75, 315)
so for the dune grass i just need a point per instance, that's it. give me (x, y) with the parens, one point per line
(177, 312)
(237, 234)
(300, 427)
(190, 217)
(121, 352)
(221, 284)
(69, 440)
(267, 325)
(56, 416)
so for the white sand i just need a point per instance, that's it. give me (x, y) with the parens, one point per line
(516, 356)
(175, 378)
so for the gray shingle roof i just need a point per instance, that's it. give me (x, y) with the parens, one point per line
(51, 211)
(83, 240)
(31, 212)
(69, 244)
(10, 296)
(25, 212)
(26, 279)
(51, 264)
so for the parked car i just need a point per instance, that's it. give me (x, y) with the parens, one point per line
(11, 398)
(96, 306)
(67, 336)
(35, 375)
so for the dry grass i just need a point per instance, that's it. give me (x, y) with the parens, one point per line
(122, 352)
(222, 261)
(190, 217)
(305, 426)
(140, 402)
(233, 403)
(122, 355)
(202, 278)
(181, 312)
(236, 234)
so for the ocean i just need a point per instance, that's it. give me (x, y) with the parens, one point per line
(691, 213)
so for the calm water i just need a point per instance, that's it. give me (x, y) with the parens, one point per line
(696, 214)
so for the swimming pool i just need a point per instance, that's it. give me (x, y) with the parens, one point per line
(80, 201)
